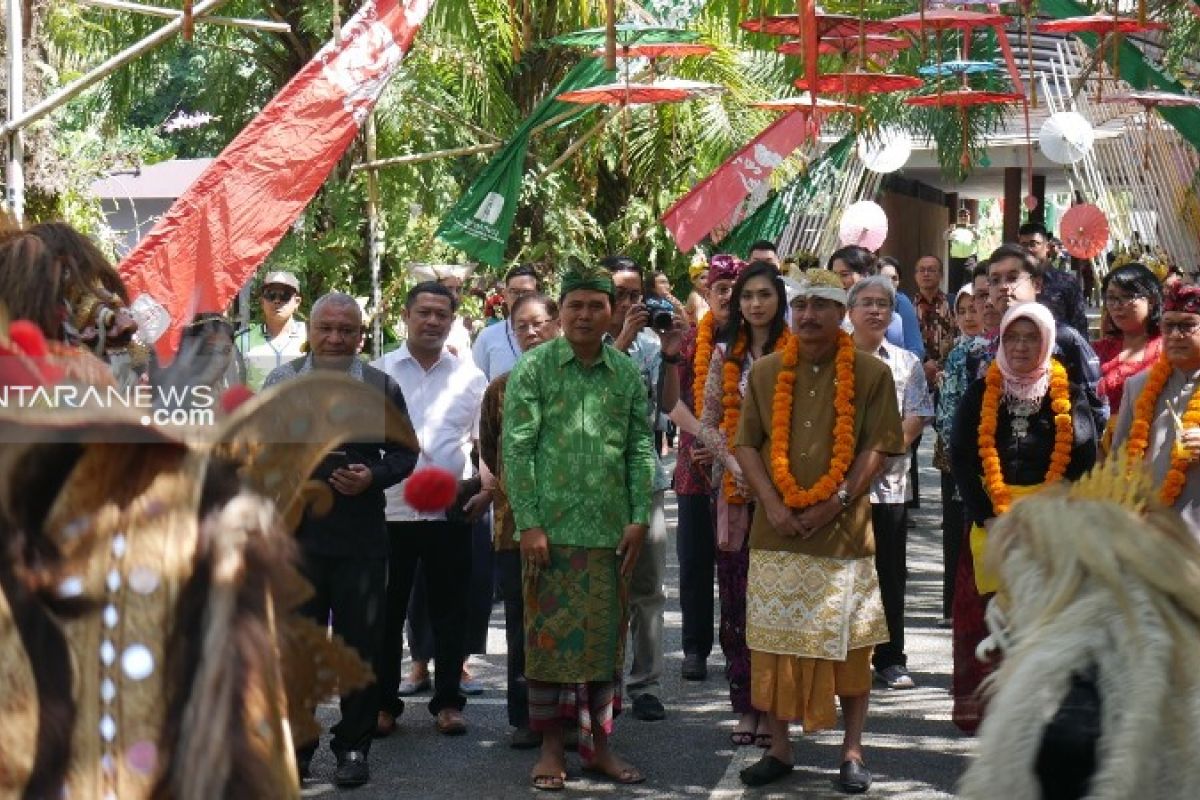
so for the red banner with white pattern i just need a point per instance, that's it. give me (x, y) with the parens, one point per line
(221, 230)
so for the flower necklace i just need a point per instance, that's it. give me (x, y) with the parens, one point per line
(1064, 433)
(1139, 430)
(842, 452)
(700, 361)
(731, 399)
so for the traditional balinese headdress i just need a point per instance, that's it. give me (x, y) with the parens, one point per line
(586, 276)
(724, 267)
(817, 283)
(1182, 297)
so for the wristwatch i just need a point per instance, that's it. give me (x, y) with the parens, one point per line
(843, 496)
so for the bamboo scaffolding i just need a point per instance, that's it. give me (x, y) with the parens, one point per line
(174, 13)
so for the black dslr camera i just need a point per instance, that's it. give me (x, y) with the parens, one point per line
(662, 314)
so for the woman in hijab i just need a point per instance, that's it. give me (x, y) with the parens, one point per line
(1021, 427)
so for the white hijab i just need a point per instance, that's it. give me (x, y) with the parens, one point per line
(1034, 384)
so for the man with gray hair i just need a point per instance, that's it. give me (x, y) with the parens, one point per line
(344, 553)
(872, 303)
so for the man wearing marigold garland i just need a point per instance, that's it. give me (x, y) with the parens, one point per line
(1159, 421)
(818, 422)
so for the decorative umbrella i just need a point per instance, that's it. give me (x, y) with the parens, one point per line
(1066, 137)
(864, 224)
(1108, 27)
(839, 45)
(945, 19)
(956, 68)
(1084, 231)
(656, 50)
(625, 93)
(827, 25)
(806, 102)
(886, 150)
(857, 83)
(963, 99)
(1150, 99)
(1100, 24)
(627, 34)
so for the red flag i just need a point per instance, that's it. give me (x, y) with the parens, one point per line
(214, 238)
(712, 201)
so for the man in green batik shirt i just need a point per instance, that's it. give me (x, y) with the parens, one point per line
(579, 460)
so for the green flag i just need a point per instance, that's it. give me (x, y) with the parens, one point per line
(480, 222)
(771, 218)
(1137, 72)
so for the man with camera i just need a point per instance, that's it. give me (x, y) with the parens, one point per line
(650, 333)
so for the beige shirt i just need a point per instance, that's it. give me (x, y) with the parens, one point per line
(876, 427)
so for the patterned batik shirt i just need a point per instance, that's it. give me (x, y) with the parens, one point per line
(937, 325)
(578, 453)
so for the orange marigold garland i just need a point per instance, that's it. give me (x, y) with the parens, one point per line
(843, 430)
(1139, 430)
(705, 332)
(1064, 433)
(731, 399)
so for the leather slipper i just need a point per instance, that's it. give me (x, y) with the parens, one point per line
(854, 777)
(767, 769)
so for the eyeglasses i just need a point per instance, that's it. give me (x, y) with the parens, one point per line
(1182, 328)
(632, 295)
(345, 332)
(1114, 301)
(529, 327)
(278, 295)
(874, 302)
(996, 281)
(1017, 340)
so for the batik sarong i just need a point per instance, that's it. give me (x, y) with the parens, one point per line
(576, 616)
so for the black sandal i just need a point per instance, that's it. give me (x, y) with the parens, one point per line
(768, 769)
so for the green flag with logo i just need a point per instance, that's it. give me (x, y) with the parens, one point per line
(771, 218)
(480, 222)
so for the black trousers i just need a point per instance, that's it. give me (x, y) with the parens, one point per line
(890, 521)
(352, 591)
(695, 546)
(508, 569)
(444, 551)
(953, 521)
(479, 600)
(914, 475)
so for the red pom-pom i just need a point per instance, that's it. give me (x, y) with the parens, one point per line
(234, 396)
(28, 338)
(431, 489)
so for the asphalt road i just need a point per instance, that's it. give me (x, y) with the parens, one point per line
(912, 748)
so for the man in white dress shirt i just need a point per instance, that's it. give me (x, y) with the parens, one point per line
(872, 304)
(496, 348)
(453, 277)
(443, 394)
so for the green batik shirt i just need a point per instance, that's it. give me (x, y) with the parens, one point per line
(578, 453)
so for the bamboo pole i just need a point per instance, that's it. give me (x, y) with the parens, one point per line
(172, 13)
(418, 158)
(610, 34)
(374, 241)
(578, 143)
(106, 68)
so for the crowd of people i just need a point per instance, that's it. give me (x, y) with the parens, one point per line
(800, 398)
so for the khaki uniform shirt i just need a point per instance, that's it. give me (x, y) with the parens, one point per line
(876, 427)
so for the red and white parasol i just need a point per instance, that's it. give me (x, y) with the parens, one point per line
(858, 83)
(1084, 231)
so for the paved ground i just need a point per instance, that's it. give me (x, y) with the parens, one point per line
(912, 748)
